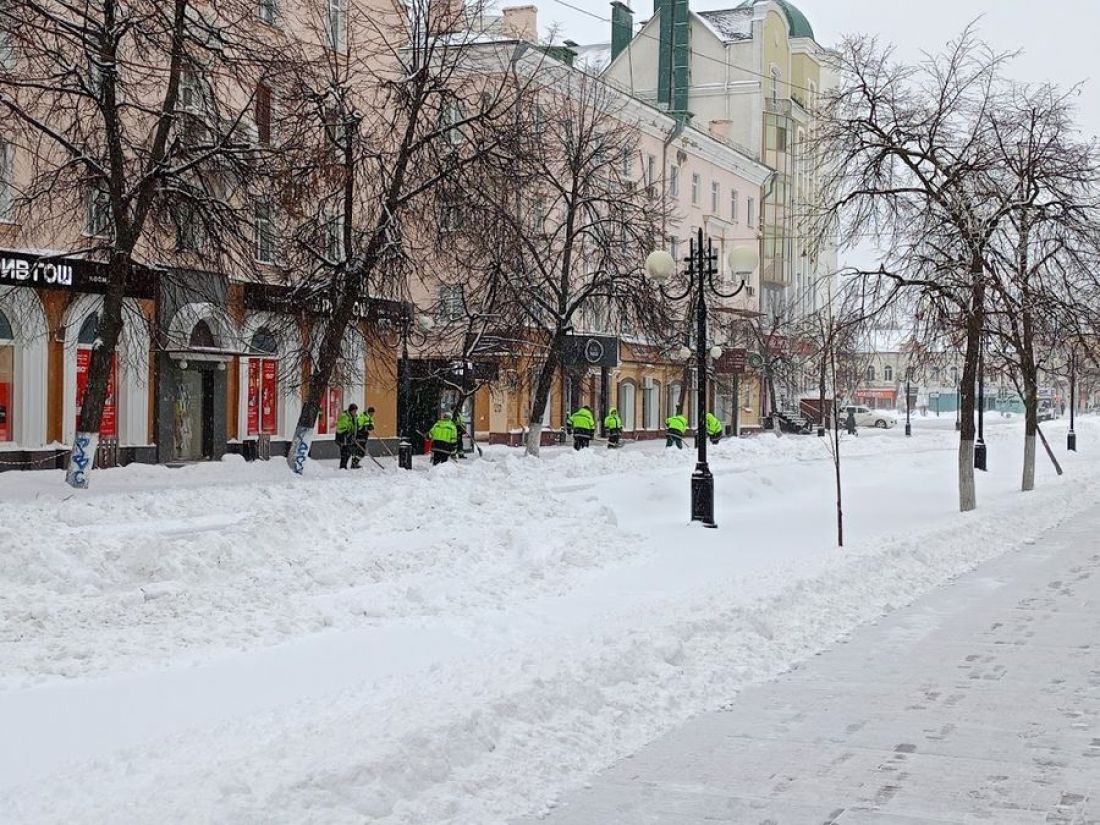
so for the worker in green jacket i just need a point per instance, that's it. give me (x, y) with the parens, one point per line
(364, 427)
(714, 428)
(444, 436)
(583, 424)
(347, 432)
(613, 425)
(675, 425)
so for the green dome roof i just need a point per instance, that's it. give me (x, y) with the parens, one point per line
(799, 25)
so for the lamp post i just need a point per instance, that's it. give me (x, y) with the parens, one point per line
(1071, 437)
(908, 404)
(980, 453)
(702, 267)
(423, 324)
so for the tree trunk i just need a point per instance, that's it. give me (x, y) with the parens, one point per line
(968, 499)
(542, 392)
(86, 440)
(1031, 428)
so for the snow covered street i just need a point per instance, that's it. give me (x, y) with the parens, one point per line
(978, 703)
(227, 643)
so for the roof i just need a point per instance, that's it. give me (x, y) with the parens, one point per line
(593, 58)
(736, 23)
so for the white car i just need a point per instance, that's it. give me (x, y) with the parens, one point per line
(866, 417)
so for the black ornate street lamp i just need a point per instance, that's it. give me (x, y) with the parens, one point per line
(908, 404)
(1071, 437)
(702, 267)
(422, 324)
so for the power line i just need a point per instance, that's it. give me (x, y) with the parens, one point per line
(693, 52)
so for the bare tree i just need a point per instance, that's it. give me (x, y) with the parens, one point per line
(910, 152)
(574, 222)
(389, 106)
(131, 119)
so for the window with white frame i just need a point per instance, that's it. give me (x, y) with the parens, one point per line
(190, 234)
(888, 373)
(750, 212)
(651, 170)
(268, 11)
(775, 83)
(628, 165)
(191, 92)
(537, 215)
(450, 116)
(98, 211)
(265, 231)
(7, 183)
(452, 303)
(674, 181)
(696, 186)
(715, 196)
(332, 234)
(335, 23)
(870, 372)
(733, 206)
(674, 249)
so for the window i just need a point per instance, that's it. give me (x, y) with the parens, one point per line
(450, 116)
(910, 373)
(674, 249)
(332, 235)
(98, 218)
(86, 339)
(696, 185)
(672, 398)
(775, 83)
(626, 404)
(190, 91)
(871, 372)
(263, 114)
(189, 228)
(937, 374)
(954, 375)
(651, 404)
(335, 23)
(538, 216)
(7, 167)
(452, 304)
(263, 383)
(651, 170)
(628, 165)
(733, 205)
(674, 181)
(268, 11)
(750, 212)
(449, 214)
(265, 232)
(715, 196)
(888, 373)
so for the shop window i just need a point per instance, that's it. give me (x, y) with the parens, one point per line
(7, 378)
(332, 402)
(85, 342)
(263, 384)
(626, 404)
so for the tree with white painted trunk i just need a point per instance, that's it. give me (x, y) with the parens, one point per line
(388, 108)
(909, 152)
(127, 121)
(573, 223)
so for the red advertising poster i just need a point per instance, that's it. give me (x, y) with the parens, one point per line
(5, 411)
(269, 414)
(108, 425)
(331, 404)
(253, 396)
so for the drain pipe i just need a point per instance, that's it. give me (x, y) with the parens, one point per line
(675, 132)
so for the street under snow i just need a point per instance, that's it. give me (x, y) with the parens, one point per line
(227, 643)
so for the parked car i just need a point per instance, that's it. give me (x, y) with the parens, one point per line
(866, 417)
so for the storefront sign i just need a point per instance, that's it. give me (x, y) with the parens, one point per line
(591, 350)
(76, 274)
(882, 395)
(732, 362)
(108, 424)
(274, 298)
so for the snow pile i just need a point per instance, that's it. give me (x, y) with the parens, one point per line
(489, 633)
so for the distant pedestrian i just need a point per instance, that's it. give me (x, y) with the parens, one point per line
(714, 428)
(850, 422)
(613, 425)
(675, 427)
(583, 424)
(444, 436)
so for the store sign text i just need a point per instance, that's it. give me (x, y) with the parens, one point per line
(17, 271)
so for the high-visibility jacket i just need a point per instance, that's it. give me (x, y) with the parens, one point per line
(366, 421)
(677, 424)
(583, 419)
(444, 431)
(714, 426)
(345, 427)
(612, 420)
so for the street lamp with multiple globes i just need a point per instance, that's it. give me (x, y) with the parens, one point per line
(702, 267)
(410, 324)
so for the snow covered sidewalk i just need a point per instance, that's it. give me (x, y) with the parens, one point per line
(978, 703)
(450, 646)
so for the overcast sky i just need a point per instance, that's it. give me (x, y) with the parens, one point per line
(1058, 37)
